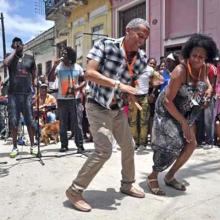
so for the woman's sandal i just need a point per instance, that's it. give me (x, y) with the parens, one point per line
(155, 190)
(175, 184)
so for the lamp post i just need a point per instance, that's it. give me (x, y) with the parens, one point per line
(3, 42)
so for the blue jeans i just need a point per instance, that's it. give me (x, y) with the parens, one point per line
(210, 122)
(205, 124)
(18, 104)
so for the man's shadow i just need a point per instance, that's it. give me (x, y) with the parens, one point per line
(106, 200)
(3, 171)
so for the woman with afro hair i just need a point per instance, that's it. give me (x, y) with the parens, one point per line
(177, 108)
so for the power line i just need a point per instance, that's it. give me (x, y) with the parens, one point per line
(3, 41)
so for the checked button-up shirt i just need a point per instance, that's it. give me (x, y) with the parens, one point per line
(113, 64)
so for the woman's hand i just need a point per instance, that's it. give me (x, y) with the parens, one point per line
(208, 93)
(186, 131)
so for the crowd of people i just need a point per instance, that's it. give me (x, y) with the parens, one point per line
(129, 98)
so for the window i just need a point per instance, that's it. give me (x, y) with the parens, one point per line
(60, 47)
(39, 69)
(138, 11)
(48, 66)
(97, 33)
(78, 46)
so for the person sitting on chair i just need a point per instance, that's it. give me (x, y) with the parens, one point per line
(47, 103)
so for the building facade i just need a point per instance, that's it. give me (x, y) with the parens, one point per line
(43, 49)
(89, 23)
(78, 23)
(172, 21)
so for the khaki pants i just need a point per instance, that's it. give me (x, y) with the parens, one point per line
(103, 124)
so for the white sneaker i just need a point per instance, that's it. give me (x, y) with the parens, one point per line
(207, 146)
(14, 153)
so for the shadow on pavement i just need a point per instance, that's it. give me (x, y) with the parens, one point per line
(194, 170)
(106, 200)
(4, 172)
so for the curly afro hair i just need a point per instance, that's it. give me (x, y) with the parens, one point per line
(201, 40)
(71, 54)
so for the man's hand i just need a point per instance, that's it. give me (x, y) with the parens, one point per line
(127, 89)
(56, 62)
(18, 47)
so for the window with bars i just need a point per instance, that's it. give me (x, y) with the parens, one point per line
(60, 47)
(39, 69)
(48, 66)
(97, 33)
(78, 46)
(138, 11)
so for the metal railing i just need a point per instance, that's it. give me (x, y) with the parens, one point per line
(51, 5)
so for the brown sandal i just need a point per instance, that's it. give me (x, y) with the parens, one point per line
(175, 184)
(155, 190)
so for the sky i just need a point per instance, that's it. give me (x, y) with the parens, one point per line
(24, 19)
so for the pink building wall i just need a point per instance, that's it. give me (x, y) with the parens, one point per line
(173, 21)
(155, 20)
(211, 25)
(180, 18)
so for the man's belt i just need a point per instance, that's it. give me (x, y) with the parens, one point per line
(141, 95)
(112, 107)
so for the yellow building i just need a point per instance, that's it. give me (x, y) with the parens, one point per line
(88, 23)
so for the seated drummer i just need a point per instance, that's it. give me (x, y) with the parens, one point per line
(47, 104)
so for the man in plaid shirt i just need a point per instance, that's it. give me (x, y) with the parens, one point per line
(112, 69)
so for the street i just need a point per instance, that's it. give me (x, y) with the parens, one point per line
(32, 191)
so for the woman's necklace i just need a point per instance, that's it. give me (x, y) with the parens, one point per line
(191, 74)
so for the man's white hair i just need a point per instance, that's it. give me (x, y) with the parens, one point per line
(136, 22)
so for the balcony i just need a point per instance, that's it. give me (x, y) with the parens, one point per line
(55, 8)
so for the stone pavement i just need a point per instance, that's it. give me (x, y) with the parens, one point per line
(30, 191)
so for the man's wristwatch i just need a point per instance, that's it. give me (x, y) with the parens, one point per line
(117, 85)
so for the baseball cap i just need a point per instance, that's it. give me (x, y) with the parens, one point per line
(171, 57)
(43, 85)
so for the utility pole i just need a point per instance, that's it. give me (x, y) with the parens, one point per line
(3, 42)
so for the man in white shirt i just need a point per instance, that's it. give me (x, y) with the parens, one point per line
(138, 120)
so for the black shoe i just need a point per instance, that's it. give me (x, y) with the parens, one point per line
(136, 147)
(64, 149)
(80, 150)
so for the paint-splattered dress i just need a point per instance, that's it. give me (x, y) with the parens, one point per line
(167, 135)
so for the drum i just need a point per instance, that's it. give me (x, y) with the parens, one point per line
(3, 100)
(50, 107)
(42, 113)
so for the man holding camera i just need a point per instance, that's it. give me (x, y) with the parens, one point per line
(21, 80)
(70, 108)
